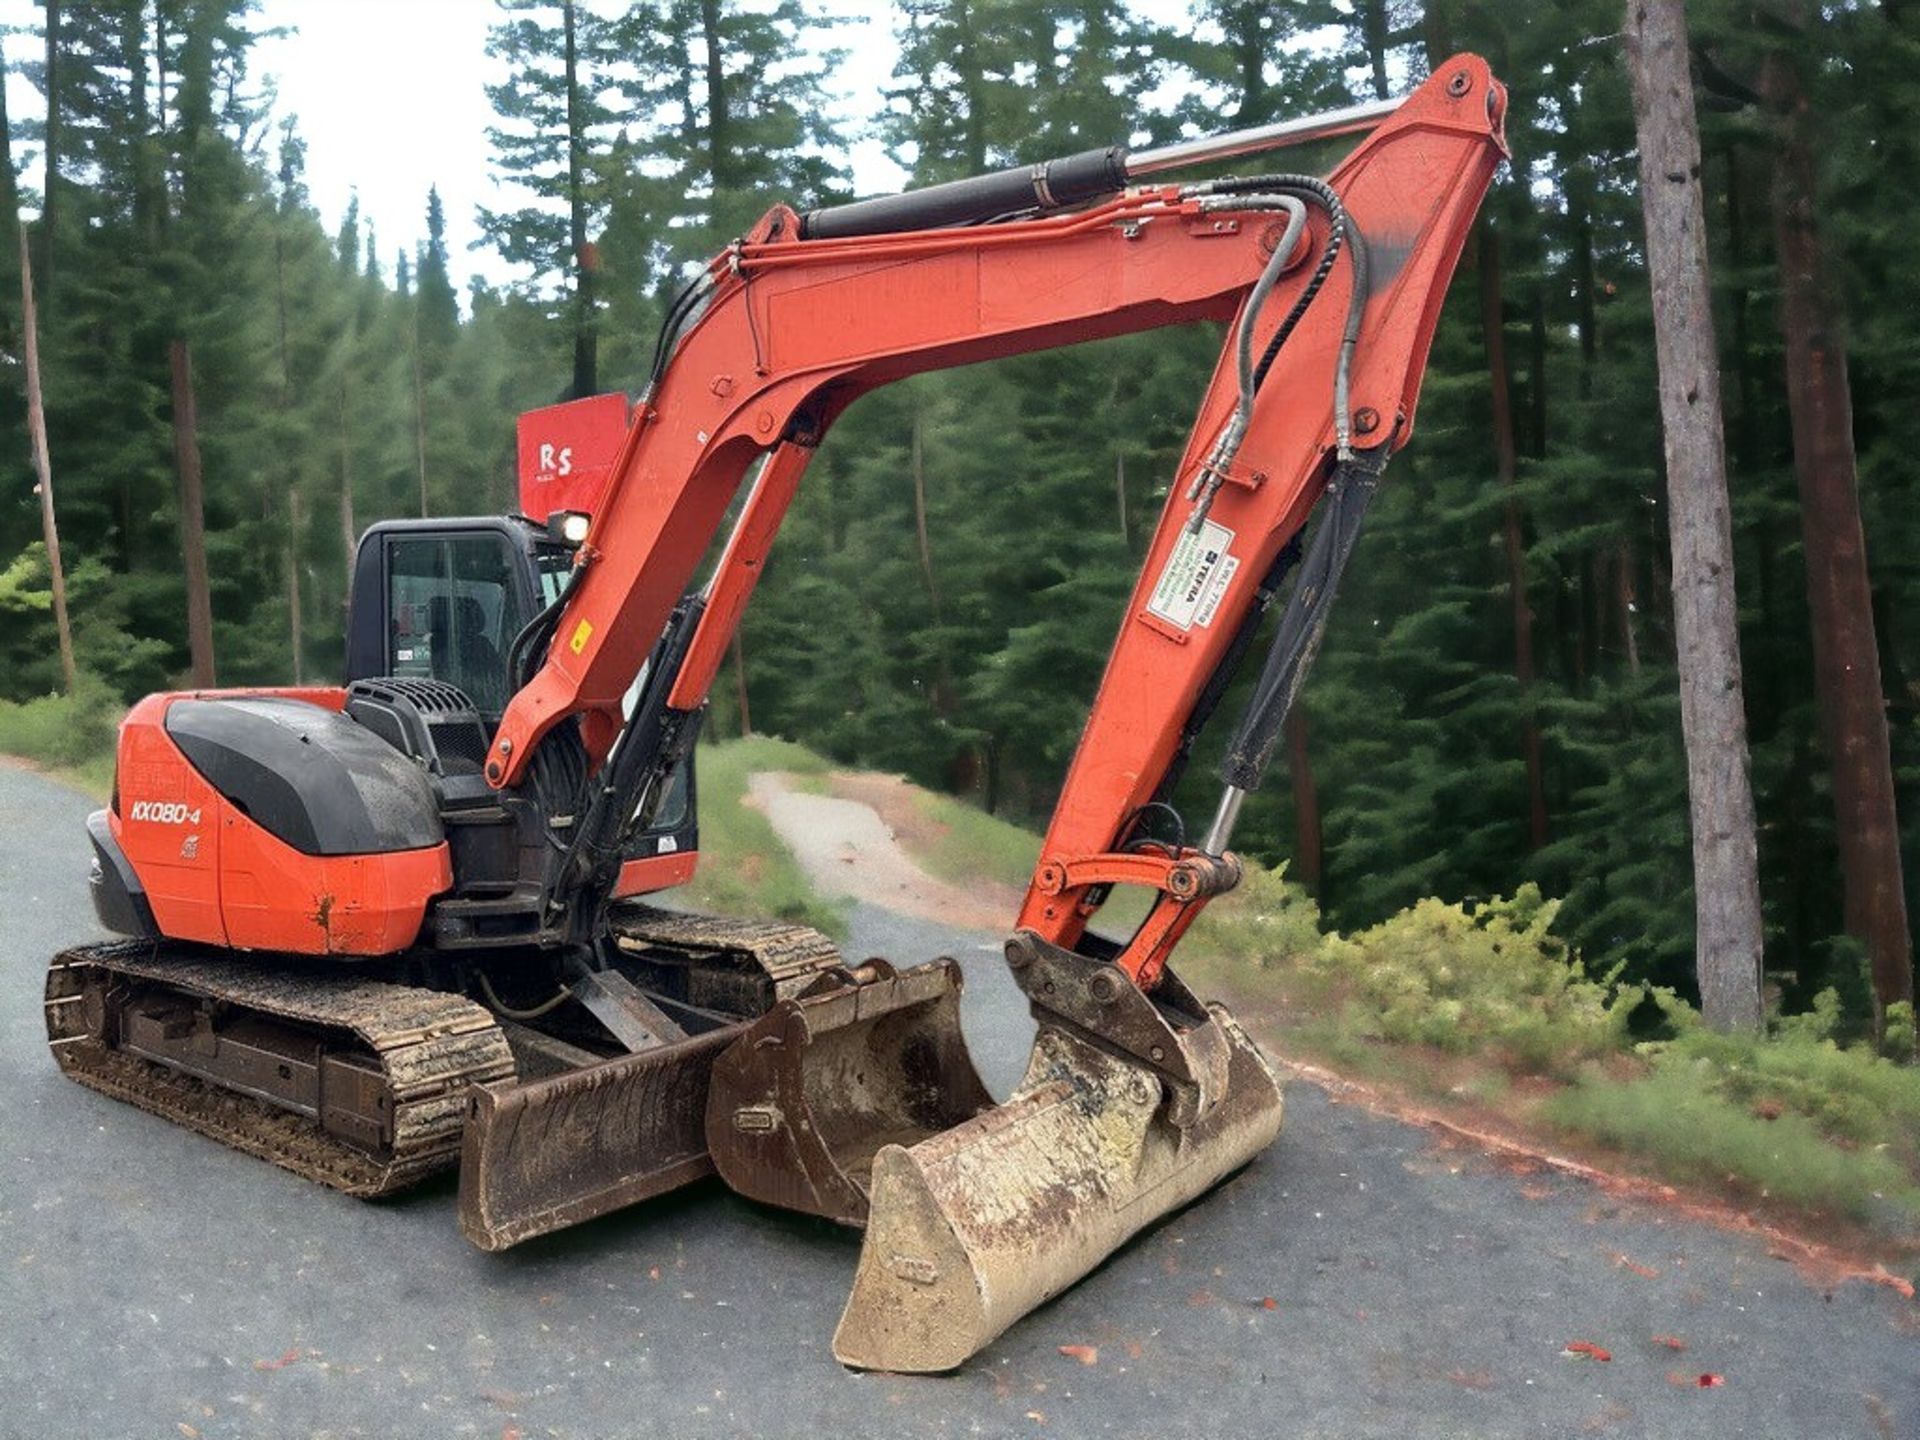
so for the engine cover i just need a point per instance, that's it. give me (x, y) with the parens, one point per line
(271, 821)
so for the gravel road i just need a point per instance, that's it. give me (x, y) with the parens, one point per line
(1355, 1281)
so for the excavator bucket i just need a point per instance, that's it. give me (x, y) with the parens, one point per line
(866, 1059)
(578, 1136)
(540, 1155)
(971, 1229)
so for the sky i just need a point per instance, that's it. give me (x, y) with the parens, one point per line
(390, 98)
(394, 117)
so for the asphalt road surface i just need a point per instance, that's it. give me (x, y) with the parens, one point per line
(1354, 1281)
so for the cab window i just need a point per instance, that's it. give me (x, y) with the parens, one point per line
(452, 612)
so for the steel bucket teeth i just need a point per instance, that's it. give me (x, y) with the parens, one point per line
(869, 1058)
(971, 1229)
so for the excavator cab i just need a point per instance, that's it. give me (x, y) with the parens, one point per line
(443, 599)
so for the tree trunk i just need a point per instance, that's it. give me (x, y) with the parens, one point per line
(50, 195)
(419, 412)
(943, 679)
(1623, 591)
(1853, 717)
(295, 626)
(973, 85)
(1506, 459)
(1706, 617)
(586, 340)
(193, 520)
(719, 111)
(349, 532)
(1580, 206)
(1376, 27)
(1306, 803)
(917, 465)
(9, 188)
(43, 466)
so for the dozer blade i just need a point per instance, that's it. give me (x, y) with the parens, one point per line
(545, 1154)
(866, 1059)
(972, 1229)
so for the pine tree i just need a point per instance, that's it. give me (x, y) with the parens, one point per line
(439, 311)
(552, 143)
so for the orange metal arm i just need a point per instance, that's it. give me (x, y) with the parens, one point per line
(798, 329)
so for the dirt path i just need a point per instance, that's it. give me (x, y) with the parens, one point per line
(846, 849)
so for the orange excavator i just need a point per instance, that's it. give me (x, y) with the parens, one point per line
(380, 929)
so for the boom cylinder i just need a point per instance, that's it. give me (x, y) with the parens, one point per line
(1072, 180)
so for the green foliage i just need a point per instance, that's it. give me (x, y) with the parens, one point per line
(1490, 977)
(969, 845)
(1266, 920)
(63, 730)
(1683, 1120)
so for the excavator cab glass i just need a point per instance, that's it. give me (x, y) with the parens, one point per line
(443, 599)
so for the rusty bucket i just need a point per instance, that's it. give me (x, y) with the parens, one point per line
(542, 1154)
(971, 1229)
(867, 1058)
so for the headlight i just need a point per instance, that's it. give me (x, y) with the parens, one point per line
(569, 527)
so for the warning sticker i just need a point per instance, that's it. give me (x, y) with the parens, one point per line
(1196, 576)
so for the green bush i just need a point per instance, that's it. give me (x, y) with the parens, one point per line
(1849, 1093)
(1680, 1117)
(67, 730)
(1265, 918)
(1467, 978)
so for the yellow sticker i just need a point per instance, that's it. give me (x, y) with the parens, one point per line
(582, 633)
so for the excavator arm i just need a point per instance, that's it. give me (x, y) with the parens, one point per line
(790, 330)
(1138, 1097)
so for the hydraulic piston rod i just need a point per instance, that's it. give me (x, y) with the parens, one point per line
(1301, 130)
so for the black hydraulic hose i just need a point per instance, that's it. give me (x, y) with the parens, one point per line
(647, 736)
(1221, 680)
(1304, 620)
(678, 311)
(525, 643)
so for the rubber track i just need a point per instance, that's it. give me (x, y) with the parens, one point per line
(431, 1046)
(790, 955)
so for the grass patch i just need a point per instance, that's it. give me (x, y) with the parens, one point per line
(745, 869)
(1678, 1118)
(71, 735)
(969, 845)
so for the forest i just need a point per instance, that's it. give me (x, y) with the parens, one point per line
(1496, 702)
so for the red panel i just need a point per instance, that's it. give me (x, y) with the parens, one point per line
(566, 453)
(174, 846)
(213, 875)
(656, 872)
